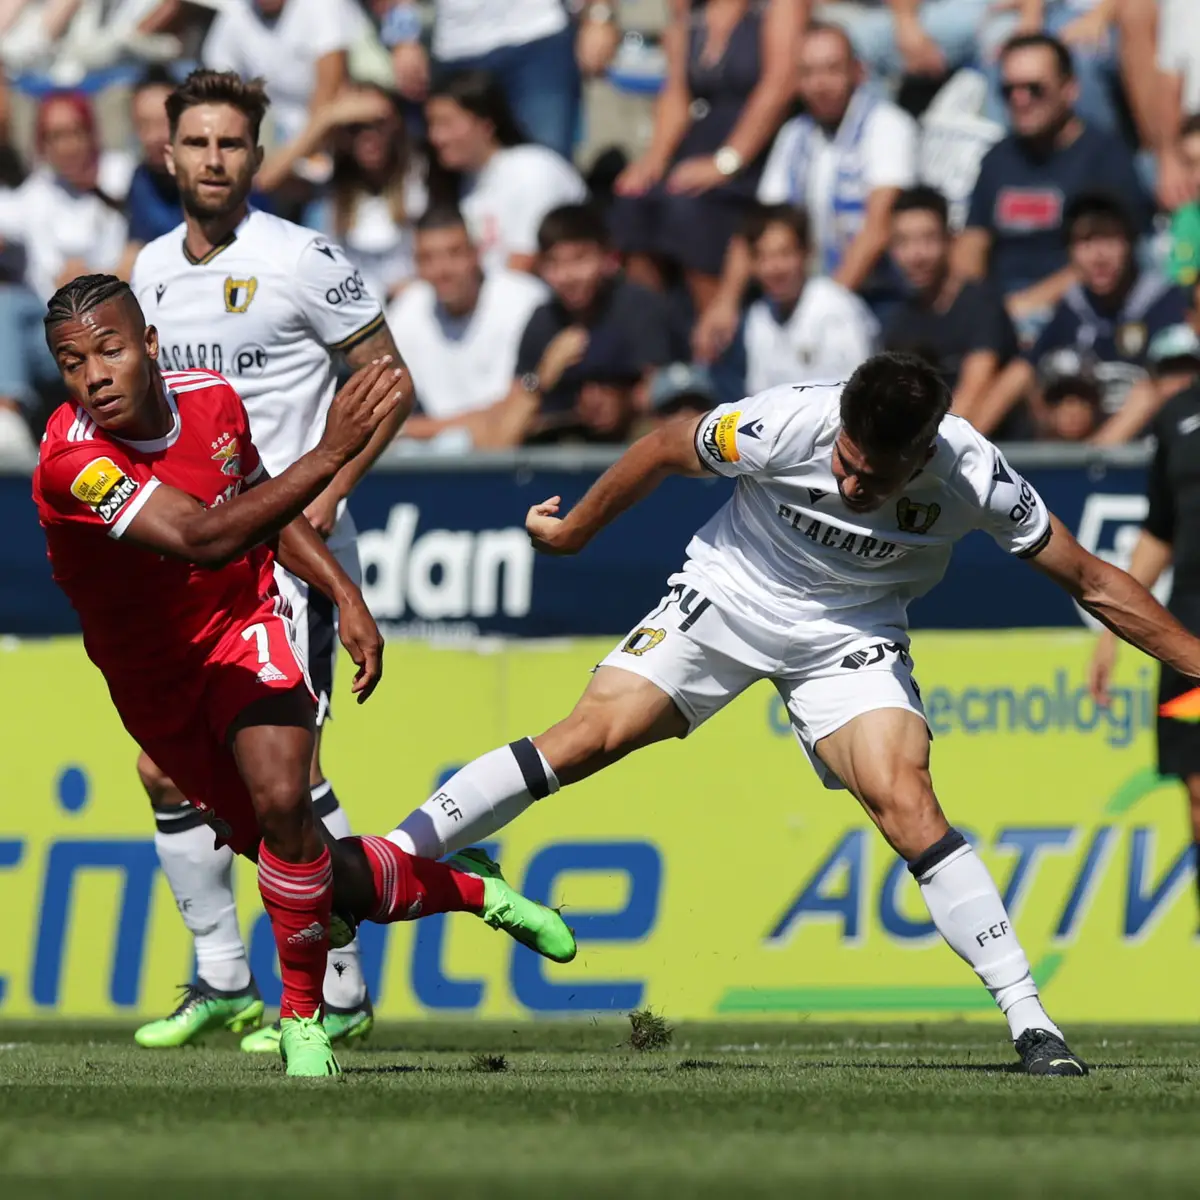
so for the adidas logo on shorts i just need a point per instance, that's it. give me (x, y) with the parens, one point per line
(270, 673)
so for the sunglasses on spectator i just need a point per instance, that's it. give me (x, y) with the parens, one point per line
(1035, 88)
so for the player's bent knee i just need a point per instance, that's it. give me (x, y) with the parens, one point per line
(284, 812)
(157, 784)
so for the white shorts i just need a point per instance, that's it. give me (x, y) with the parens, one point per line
(703, 656)
(314, 617)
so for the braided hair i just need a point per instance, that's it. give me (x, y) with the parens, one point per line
(81, 295)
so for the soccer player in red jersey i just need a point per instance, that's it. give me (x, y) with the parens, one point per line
(163, 528)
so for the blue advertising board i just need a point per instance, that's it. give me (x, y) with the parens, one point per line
(445, 552)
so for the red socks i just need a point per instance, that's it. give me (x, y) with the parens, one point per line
(408, 887)
(298, 898)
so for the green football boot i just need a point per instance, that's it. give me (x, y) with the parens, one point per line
(305, 1048)
(264, 1040)
(350, 1025)
(532, 924)
(342, 1025)
(202, 1010)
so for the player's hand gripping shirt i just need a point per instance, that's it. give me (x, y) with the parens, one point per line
(785, 549)
(264, 310)
(148, 619)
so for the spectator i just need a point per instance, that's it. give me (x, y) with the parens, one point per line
(1179, 91)
(609, 407)
(606, 408)
(299, 47)
(958, 325)
(1085, 27)
(682, 388)
(12, 169)
(802, 330)
(593, 315)
(1072, 403)
(1141, 79)
(913, 37)
(1014, 226)
(845, 161)
(1106, 320)
(25, 363)
(153, 202)
(376, 189)
(482, 162)
(1184, 266)
(72, 38)
(458, 329)
(729, 80)
(1174, 359)
(1175, 352)
(528, 45)
(65, 223)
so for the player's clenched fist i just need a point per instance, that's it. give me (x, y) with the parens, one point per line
(546, 530)
(372, 394)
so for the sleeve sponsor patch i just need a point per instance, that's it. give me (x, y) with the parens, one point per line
(104, 488)
(720, 438)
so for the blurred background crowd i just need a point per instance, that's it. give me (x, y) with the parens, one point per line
(582, 216)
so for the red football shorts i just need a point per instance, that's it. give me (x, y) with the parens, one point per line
(257, 658)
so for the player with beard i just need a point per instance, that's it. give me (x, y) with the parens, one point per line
(849, 500)
(267, 304)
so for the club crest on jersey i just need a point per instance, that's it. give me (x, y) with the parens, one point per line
(230, 459)
(642, 640)
(720, 438)
(104, 488)
(239, 293)
(1131, 338)
(916, 518)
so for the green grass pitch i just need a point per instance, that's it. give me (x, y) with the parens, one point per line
(571, 1110)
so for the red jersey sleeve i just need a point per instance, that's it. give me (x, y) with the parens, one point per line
(252, 465)
(92, 483)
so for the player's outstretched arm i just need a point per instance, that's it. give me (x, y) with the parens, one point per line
(173, 523)
(669, 450)
(303, 552)
(1118, 600)
(1151, 557)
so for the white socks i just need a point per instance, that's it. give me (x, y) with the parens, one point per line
(200, 879)
(476, 801)
(969, 914)
(345, 988)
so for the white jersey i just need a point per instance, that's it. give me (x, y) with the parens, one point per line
(786, 554)
(827, 334)
(469, 28)
(504, 203)
(468, 365)
(265, 309)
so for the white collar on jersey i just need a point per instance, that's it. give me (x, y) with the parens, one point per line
(156, 445)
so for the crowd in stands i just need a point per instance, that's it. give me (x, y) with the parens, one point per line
(1011, 189)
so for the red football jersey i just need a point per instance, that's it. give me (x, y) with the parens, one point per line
(147, 618)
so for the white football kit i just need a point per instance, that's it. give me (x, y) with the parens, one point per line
(265, 309)
(786, 583)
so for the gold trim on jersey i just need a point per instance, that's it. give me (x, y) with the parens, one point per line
(348, 343)
(207, 258)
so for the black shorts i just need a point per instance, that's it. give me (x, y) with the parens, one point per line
(1178, 740)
